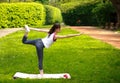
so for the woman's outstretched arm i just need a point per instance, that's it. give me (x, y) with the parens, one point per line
(40, 30)
(67, 36)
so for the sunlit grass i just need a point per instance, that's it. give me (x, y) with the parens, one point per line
(86, 59)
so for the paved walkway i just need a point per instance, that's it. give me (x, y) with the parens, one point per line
(4, 32)
(110, 37)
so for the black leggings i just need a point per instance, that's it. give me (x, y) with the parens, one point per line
(39, 48)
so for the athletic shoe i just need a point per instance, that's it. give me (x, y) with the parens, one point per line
(27, 28)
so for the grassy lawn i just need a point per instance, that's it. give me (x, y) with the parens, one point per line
(87, 60)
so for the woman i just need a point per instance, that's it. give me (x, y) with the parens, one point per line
(44, 42)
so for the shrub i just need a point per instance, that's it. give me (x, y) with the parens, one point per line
(86, 13)
(68, 6)
(11, 1)
(19, 14)
(103, 12)
(78, 13)
(53, 14)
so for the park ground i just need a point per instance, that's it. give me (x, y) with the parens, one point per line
(107, 36)
(88, 60)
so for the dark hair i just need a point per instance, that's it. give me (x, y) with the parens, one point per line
(53, 28)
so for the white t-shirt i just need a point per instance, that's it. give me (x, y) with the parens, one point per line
(47, 41)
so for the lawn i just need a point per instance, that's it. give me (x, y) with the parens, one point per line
(86, 59)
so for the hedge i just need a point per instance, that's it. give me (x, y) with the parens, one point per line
(19, 14)
(78, 13)
(86, 13)
(13, 1)
(104, 12)
(53, 14)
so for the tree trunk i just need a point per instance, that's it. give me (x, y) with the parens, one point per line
(116, 4)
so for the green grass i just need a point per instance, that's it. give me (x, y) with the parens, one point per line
(87, 60)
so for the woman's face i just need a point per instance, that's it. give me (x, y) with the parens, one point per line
(57, 30)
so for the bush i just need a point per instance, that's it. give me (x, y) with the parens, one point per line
(11, 1)
(53, 14)
(86, 13)
(19, 14)
(78, 13)
(103, 12)
(68, 6)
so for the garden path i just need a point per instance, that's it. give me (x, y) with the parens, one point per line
(110, 37)
(4, 32)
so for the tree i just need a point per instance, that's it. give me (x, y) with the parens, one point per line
(116, 4)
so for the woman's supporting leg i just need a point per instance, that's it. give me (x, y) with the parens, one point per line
(39, 49)
(40, 59)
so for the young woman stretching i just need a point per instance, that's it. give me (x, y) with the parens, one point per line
(44, 42)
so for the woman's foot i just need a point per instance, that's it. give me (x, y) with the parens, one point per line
(41, 72)
(27, 28)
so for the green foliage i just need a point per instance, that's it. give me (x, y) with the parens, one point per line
(42, 1)
(53, 14)
(87, 12)
(68, 6)
(3, 1)
(13, 1)
(86, 59)
(66, 1)
(78, 13)
(19, 14)
(33, 14)
(103, 12)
